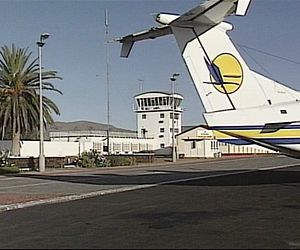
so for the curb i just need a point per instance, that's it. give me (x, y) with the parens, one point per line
(73, 197)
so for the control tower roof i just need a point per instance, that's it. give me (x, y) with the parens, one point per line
(151, 94)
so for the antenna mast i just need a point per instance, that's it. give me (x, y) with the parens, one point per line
(107, 73)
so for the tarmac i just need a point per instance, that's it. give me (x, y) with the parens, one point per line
(66, 184)
(32, 188)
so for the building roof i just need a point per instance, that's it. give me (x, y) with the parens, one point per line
(84, 126)
(185, 129)
(150, 94)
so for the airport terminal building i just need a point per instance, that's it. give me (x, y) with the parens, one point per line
(157, 121)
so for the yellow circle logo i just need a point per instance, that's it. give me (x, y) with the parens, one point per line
(227, 77)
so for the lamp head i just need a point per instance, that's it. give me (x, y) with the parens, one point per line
(44, 36)
(173, 78)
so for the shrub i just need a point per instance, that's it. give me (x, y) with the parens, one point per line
(5, 166)
(9, 170)
(4, 158)
(92, 159)
(121, 160)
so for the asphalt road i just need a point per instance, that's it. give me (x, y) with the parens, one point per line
(222, 204)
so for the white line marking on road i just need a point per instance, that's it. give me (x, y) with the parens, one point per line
(281, 166)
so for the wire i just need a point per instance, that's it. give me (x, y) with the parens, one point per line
(263, 68)
(269, 54)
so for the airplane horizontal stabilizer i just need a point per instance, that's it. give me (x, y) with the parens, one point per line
(208, 14)
(152, 33)
(211, 13)
(242, 7)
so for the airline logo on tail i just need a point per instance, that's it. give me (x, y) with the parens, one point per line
(226, 73)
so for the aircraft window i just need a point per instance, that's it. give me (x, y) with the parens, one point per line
(283, 111)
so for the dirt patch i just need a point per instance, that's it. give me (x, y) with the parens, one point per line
(13, 198)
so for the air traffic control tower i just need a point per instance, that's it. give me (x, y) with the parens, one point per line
(154, 112)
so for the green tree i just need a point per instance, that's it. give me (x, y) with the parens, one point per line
(19, 94)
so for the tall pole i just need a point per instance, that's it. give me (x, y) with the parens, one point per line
(140, 85)
(40, 44)
(107, 74)
(173, 79)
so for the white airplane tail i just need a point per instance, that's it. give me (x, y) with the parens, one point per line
(238, 102)
(221, 76)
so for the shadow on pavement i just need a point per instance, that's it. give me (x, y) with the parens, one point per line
(228, 178)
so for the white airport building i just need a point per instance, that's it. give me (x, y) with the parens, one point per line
(93, 136)
(155, 125)
(199, 142)
(154, 111)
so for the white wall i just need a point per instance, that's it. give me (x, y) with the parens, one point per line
(206, 148)
(74, 148)
(51, 149)
(227, 148)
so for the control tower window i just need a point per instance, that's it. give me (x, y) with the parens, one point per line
(152, 101)
(148, 101)
(160, 101)
(164, 101)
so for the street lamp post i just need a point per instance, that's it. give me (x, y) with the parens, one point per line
(40, 44)
(173, 79)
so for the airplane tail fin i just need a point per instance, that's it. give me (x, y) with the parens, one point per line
(239, 103)
(221, 76)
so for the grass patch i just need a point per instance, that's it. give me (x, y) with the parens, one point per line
(9, 170)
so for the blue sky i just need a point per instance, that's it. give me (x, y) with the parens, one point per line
(76, 49)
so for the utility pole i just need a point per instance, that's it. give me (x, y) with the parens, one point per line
(107, 74)
(141, 81)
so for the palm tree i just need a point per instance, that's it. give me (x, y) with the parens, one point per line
(19, 95)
